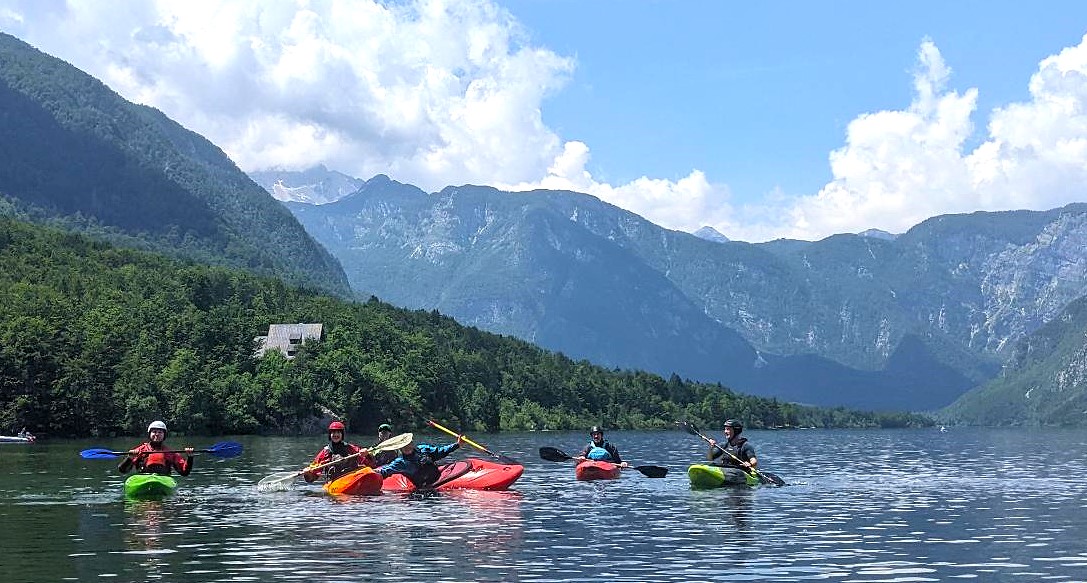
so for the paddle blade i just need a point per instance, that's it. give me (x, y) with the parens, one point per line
(554, 455)
(277, 482)
(393, 443)
(652, 471)
(225, 449)
(98, 453)
(771, 478)
(506, 460)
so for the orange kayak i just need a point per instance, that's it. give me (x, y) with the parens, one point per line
(361, 482)
(596, 470)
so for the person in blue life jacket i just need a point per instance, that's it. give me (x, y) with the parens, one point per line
(417, 462)
(600, 450)
(743, 453)
(381, 458)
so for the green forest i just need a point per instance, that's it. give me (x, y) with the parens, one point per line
(98, 340)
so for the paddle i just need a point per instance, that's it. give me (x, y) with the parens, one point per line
(506, 460)
(764, 477)
(222, 449)
(557, 455)
(282, 480)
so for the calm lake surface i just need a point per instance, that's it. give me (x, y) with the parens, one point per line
(880, 506)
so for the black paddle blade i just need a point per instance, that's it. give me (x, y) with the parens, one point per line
(771, 478)
(505, 459)
(652, 471)
(554, 455)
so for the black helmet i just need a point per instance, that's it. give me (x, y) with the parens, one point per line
(385, 427)
(736, 426)
(596, 429)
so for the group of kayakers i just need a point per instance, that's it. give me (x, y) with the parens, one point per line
(736, 452)
(417, 461)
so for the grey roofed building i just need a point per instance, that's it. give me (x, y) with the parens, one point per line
(286, 338)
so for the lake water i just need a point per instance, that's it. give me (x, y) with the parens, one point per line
(862, 506)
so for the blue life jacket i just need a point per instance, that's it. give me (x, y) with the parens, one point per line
(598, 454)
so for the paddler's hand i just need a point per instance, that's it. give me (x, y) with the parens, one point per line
(189, 450)
(460, 439)
(713, 441)
(624, 465)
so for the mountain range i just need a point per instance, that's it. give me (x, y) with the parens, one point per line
(873, 320)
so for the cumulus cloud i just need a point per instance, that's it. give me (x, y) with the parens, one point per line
(898, 168)
(439, 92)
(433, 92)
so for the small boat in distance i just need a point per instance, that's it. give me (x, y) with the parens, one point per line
(24, 436)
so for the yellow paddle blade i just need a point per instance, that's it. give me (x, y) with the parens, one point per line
(393, 443)
(277, 482)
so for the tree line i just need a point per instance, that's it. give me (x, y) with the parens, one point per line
(99, 340)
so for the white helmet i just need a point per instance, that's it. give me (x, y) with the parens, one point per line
(156, 425)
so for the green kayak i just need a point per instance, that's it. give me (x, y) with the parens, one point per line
(704, 477)
(149, 486)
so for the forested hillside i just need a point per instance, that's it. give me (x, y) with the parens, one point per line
(74, 153)
(96, 340)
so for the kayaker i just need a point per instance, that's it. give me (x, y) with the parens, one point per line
(336, 450)
(417, 462)
(743, 453)
(600, 450)
(384, 432)
(151, 457)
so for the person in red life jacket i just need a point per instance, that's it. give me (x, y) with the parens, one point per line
(743, 453)
(417, 462)
(152, 457)
(347, 456)
(600, 450)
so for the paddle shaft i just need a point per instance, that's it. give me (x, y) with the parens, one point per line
(462, 438)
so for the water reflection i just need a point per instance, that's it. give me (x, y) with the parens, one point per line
(864, 506)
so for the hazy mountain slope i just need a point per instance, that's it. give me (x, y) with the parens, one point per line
(1044, 384)
(74, 152)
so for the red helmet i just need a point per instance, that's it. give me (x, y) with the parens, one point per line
(336, 426)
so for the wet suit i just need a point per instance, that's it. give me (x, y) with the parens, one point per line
(152, 459)
(419, 466)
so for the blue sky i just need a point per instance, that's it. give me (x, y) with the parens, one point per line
(758, 97)
(797, 119)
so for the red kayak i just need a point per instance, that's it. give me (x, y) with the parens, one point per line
(361, 482)
(470, 474)
(596, 470)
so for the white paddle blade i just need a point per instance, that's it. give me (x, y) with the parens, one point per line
(393, 443)
(277, 482)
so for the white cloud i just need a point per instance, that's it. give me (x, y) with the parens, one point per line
(901, 167)
(439, 92)
(433, 92)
